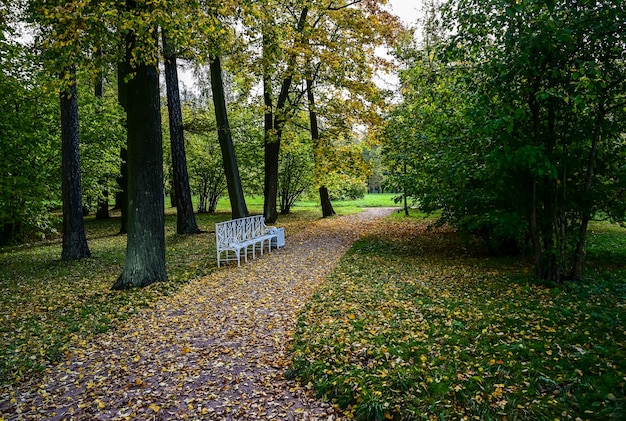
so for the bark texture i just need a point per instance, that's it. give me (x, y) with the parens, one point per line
(74, 240)
(327, 207)
(233, 180)
(103, 202)
(181, 192)
(121, 197)
(145, 249)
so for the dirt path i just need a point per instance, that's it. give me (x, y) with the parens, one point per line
(217, 350)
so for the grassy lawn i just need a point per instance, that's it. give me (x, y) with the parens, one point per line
(47, 305)
(415, 324)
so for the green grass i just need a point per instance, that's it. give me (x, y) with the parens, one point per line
(417, 324)
(345, 207)
(47, 305)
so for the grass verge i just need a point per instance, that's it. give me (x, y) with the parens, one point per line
(415, 324)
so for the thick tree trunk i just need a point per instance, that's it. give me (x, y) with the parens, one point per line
(185, 218)
(233, 180)
(145, 249)
(74, 240)
(121, 197)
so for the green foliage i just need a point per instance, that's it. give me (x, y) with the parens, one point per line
(204, 155)
(341, 165)
(295, 174)
(512, 124)
(102, 135)
(204, 160)
(415, 323)
(30, 143)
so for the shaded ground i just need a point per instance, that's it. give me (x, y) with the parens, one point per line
(216, 350)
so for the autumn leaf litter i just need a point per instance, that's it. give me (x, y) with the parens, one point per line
(216, 350)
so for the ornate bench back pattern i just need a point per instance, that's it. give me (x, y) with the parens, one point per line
(231, 237)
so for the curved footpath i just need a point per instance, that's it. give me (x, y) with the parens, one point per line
(216, 350)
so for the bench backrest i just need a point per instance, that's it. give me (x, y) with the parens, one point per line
(237, 230)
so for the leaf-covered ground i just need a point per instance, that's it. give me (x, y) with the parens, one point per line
(415, 324)
(47, 305)
(217, 349)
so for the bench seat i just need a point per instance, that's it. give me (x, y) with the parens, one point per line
(243, 234)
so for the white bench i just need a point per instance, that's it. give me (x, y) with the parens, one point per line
(231, 237)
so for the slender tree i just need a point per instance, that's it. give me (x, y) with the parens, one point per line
(74, 240)
(233, 179)
(59, 39)
(185, 218)
(344, 34)
(121, 197)
(327, 206)
(276, 117)
(103, 202)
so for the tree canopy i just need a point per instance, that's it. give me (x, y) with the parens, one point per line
(513, 124)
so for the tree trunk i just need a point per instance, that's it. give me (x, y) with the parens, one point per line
(172, 195)
(233, 180)
(103, 202)
(103, 206)
(406, 205)
(327, 207)
(273, 134)
(74, 240)
(145, 248)
(534, 229)
(270, 186)
(185, 218)
(579, 253)
(121, 197)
